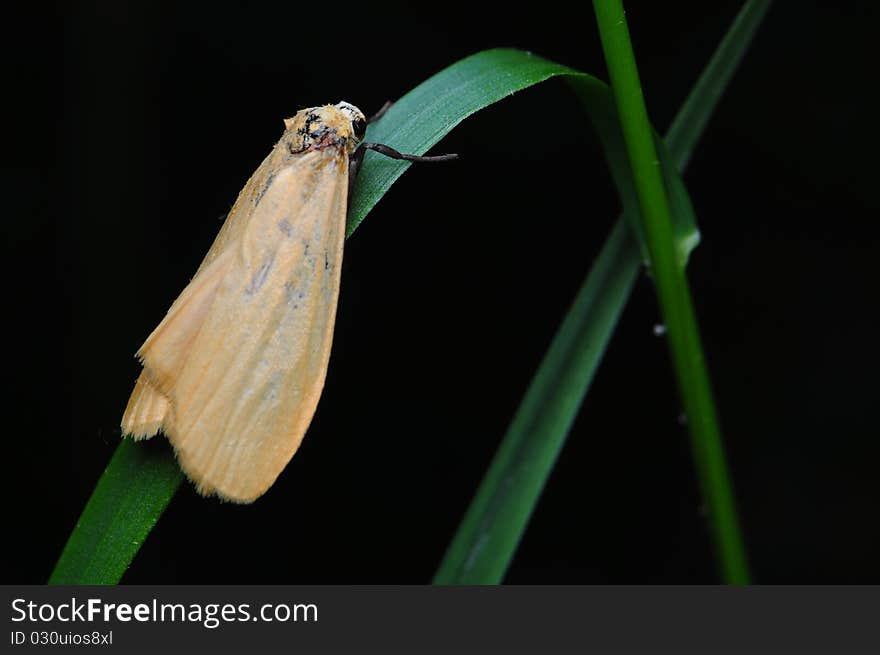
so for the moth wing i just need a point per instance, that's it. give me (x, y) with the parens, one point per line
(254, 372)
(168, 346)
(165, 351)
(145, 411)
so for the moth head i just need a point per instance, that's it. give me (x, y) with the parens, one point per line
(341, 125)
(356, 119)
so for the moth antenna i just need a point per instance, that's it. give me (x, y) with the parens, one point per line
(388, 151)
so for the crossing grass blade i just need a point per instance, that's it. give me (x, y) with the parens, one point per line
(486, 540)
(670, 282)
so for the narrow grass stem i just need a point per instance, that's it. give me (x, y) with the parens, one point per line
(672, 290)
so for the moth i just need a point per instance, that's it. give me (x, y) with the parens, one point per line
(233, 373)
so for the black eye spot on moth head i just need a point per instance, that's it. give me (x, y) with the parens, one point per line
(359, 127)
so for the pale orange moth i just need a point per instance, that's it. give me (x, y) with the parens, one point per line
(233, 373)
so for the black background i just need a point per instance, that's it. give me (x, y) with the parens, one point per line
(132, 127)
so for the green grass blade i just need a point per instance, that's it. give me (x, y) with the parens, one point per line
(689, 123)
(488, 535)
(429, 112)
(672, 291)
(486, 540)
(134, 490)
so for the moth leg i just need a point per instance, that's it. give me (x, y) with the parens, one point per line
(354, 165)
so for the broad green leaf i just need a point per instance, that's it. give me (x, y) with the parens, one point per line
(486, 540)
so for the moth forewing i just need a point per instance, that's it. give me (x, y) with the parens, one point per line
(169, 347)
(252, 380)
